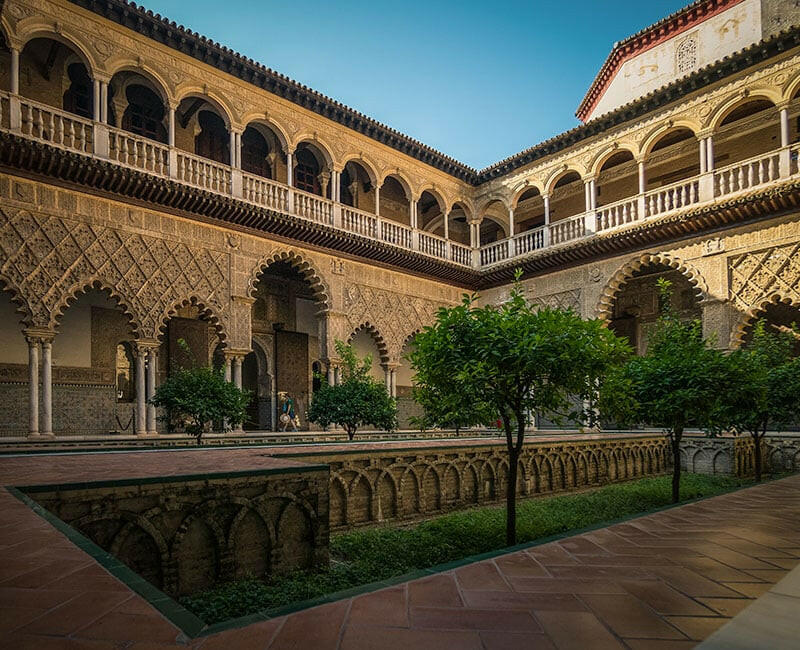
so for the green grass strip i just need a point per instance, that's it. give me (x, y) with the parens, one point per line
(380, 554)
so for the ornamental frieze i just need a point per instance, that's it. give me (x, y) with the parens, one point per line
(570, 299)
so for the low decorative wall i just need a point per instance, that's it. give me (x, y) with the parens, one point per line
(375, 486)
(703, 455)
(185, 534)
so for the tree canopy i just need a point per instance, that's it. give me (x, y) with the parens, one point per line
(514, 360)
(358, 400)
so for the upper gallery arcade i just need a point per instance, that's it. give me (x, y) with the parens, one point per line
(157, 186)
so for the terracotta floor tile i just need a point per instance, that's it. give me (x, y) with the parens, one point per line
(788, 563)
(12, 618)
(625, 560)
(76, 613)
(580, 546)
(549, 554)
(440, 590)
(750, 589)
(713, 569)
(729, 607)
(526, 601)
(319, 627)
(734, 559)
(253, 636)
(657, 644)
(697, 627)
(519, 564)
(387, 607)
(585, 572)
(443, 618)
(18, 641)
(36, 598)
(693, 584)
(663, 598)
(496, 640)
(483, 575)
(116, 626)
(628, 616)
(370, 638)
(564, 586)
(577, 631)
(767, 575)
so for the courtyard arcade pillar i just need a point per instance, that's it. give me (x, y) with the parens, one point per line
(152, 368)
(40, 345)
(144, 353)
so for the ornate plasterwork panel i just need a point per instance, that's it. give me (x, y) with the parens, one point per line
(395, 316)
(758, 276)
(570, 299)
(47, 259)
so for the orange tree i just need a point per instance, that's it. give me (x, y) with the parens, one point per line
(511, 360)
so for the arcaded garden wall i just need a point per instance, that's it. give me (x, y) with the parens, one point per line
(375, 486)
(185, 534)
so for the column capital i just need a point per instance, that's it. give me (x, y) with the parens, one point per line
(143, 346)
(235, 353)
(589, 178)
(36, 335)
(244, 300)
(704, 133)
(783, 104)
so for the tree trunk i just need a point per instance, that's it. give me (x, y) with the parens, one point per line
(351, 433)
(676, 464)
(757, 440)
(511, 497)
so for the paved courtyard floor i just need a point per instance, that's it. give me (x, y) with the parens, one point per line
(662, 581)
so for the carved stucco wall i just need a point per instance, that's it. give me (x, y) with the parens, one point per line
(54, 243)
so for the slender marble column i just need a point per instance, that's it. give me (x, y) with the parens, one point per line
(47, 388)
(14, 71)
(393, 390)
(141, 421)
(171, 127)
(784, 127)
(33, 386)
(703, 156)
(152, 361)
(642, 178)
(710, 154)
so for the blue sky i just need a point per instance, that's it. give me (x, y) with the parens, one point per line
(477, 81)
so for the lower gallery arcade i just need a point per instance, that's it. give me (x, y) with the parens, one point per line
(101, 301)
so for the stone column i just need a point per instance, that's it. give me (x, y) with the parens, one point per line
(141, 394)
(703, 153)
(710, 154)
(331, 374)
(546, 232)
(237, 381)
(289, 168)
(96, 100)
(33, 385)
(104, 102)
(377, 200)
(14, 71)
(152, 366)
(393, 385)
(228, 370)
(784, 126)
(446, 217)
(642, 178)
(586, 194)
(171, 127)
(511, 222)
(47, 387)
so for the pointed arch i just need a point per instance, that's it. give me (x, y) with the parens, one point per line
(605, 305)
(306, 268)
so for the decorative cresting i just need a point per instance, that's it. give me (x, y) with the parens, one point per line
(380, 343)
(393, 314)
(407, 484)
(48, 259)
(605, 307)
(306, 268)
(757, 278)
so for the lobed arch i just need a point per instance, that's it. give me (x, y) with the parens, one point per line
(557, 175)
(206, 312)
(35, 27)
(603, 157)
(217, 102)
(520, 189)
(746, 318)
(21, 305)
(725, 107)
(80, 288)
(368, 166)
(380, 342)
(655, 135)
(159, 83)
(605, 305)
(306, 268)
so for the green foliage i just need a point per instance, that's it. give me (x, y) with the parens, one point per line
(195, 398)
(677, 381)
(761, 388)
(512, 360)
(450, 409)
(358, 400)
(365, 556)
